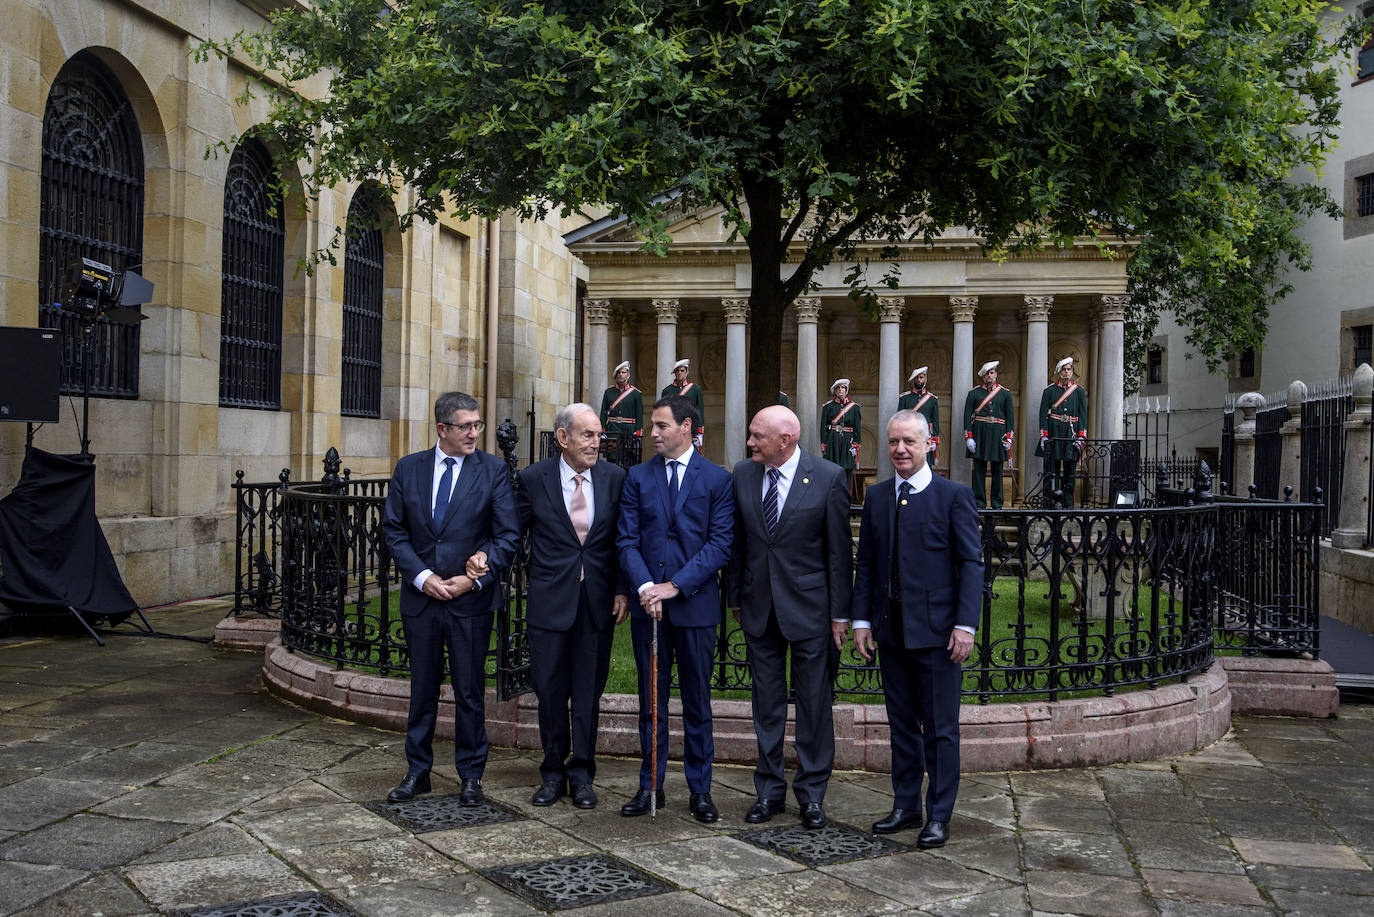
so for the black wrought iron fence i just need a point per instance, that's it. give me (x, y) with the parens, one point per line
(1228, 445)
(1324, 412)
(1106, 468)
(1269, 421)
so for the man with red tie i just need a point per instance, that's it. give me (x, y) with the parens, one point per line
(569, 505)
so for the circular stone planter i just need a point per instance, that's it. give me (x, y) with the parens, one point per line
(1169, 720)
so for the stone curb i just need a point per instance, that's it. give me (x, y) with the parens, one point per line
(1142, 725)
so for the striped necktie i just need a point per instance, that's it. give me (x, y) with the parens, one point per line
(770, 501)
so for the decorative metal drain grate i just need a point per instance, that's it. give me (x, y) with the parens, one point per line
(832, 844)
(439, 813)
(310, 904)
(576, 881)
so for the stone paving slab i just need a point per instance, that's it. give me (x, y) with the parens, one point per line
(437, 897)
(27, 883)
(220, 839)
(1057, 892)
(506, 844)
(104, 893)
(1296, 853)
(89, 841)
(30, 803)
(371, 862)
(1202, 887)
(1063, 851)
(218, 880)
(702, 861)
(915, 879)
(1005, 902)
(304, 827)
(806, 892)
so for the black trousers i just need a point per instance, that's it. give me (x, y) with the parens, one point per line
(569, 668)
(428, 635)
(813, 673)
(922, 688)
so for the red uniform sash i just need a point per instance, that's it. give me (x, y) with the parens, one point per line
(623, 395)
(924, 399)
(996, 387)
(840, 416)
(1073, 386)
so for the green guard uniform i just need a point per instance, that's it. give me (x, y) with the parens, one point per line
(841, 428)
(1063, 419)
(928, 406)
(990, 421)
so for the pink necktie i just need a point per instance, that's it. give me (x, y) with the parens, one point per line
(579, 515)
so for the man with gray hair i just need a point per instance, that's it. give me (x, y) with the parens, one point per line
(451, 525)
(568, 506)
(918, 581)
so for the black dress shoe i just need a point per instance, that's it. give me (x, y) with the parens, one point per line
(471, 794)
(639, 805)
(898, 820)
(409, 788)
(549, 792)
(583, 796)
(934, 834)
(702, 808)
(764, 809)
(813, 816)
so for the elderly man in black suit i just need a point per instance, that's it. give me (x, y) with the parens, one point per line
(451, 524)
(790, 575)
(569, 505)
(918, 585)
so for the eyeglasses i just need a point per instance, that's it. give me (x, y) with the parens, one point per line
(475, 426)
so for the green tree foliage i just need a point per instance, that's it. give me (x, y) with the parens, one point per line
(816, 123)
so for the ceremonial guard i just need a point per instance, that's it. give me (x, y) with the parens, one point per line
(920, 400)
(989, 427)
(1063, 431)
(622, 411)
(841, 428)
(784, 400)
(686, 388)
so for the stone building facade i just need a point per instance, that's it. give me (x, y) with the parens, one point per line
(105, 123)
(954, 309)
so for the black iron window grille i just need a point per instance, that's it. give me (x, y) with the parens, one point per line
(364, 278)
(91, 206)
(1364, 345)
(252, 279)
(1364, 195)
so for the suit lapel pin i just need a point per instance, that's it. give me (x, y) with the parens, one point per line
(806, 480)
(904, 503)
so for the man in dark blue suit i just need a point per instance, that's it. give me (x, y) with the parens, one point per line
(569, 505)
(918, 584)
(452, 528)
(790, 575)
(676, 527)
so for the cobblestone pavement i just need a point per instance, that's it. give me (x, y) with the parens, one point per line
(157, 776)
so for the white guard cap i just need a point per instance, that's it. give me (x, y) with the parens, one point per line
(1067, 361)
(682, 364)
(916, 372)
(991, 364)
(837, 383)
(625, 366)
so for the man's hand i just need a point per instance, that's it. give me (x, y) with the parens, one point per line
(839, 630)
(477, 565)
(620, 607)
(960, 645)
(863, 642)
(653, 597)
(436, 587)
(460, 585)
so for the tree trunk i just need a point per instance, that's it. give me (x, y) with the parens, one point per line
(768, 299)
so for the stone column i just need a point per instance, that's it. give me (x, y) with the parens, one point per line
(689, 342)
(1112, 309)
(736, 379)
(1246, 407)
(890, 312)
(1094, 379)
(627, 336)
(598, 312)
(808, 312)
(1037, 375)
(665, 310)
(1355, 495)
(962, 310)
(1290, 465)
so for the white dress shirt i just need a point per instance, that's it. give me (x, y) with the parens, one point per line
(568, 477)
(787, 472)
(919, 482)
(439, 456)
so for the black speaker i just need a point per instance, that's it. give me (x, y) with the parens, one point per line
(30, 374)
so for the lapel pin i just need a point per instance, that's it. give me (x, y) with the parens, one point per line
(806, 480)
(904, 503)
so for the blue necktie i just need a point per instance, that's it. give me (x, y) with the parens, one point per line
(445, 491)
(672, 485)
(770, 502)
(895, 561)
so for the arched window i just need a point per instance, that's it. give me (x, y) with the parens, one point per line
(362, 308)
(251, 282)
(91, 206)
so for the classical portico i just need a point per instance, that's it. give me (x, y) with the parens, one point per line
(953, 309)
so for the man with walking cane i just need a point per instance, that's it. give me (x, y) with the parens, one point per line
(677, 515)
